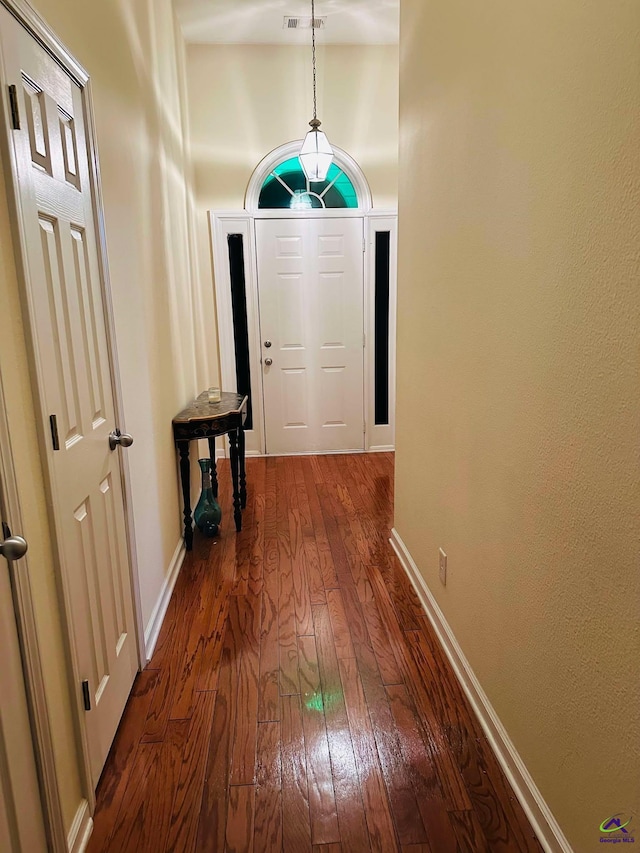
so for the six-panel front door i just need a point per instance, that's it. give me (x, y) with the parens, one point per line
(310, 280)
(59, 253)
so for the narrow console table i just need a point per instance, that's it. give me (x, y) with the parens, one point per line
(202, 419)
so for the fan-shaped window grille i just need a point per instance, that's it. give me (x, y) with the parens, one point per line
(286, 187)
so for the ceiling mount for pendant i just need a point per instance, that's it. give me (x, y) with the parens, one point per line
(297, 22)
(316, 153)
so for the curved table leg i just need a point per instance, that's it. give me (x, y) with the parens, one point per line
(233, 458)
(185, 477)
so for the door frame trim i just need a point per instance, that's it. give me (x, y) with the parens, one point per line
(379, 437)
(42, 33)
(223, 223)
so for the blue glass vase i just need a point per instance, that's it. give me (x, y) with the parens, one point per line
(208, 513)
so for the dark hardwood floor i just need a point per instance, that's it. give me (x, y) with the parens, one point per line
(298, 699)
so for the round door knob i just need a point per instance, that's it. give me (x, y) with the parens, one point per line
(267, 344)
(13, 548)
(120, 438)
(268, 362)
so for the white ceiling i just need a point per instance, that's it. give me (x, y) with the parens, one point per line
(260, 21)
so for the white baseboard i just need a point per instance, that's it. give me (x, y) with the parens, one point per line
(378, 448)
(542, 820)
(152, 630)
(81, 829)
(354, 452)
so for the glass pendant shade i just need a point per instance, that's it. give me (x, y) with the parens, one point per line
(316, 154)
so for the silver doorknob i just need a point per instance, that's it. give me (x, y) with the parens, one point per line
(13, 547)
(267, 344)
(268, 362)
(120, 438)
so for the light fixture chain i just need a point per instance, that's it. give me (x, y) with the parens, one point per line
(316, 154)
(313, 55)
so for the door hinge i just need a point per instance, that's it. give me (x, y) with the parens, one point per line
(15, 110)
(364, 427)
(364, 244)
(86, 696)
(364, 339)
(53, 423)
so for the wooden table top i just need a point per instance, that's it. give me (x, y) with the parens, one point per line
(201, 409)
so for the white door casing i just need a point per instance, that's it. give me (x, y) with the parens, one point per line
(380, 436)
(310, 282)
(63, 295)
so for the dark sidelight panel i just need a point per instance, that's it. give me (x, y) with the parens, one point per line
(381, 343)
(240, 323)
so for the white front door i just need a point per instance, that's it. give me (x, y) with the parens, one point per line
(310, 282)
(63, 293)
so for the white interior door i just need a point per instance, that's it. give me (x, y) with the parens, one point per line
(21, 822)
(310, 281)
(56, 209)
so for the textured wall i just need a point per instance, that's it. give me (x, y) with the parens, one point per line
(246, 100)
(518, 371)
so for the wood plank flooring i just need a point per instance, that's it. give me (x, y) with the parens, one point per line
(298, 700)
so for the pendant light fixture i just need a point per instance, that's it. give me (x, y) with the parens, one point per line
(316, 153)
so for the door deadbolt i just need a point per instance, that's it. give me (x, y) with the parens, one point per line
(267, 344)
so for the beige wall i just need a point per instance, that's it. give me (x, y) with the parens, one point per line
(246, 100)
(134, 56)
(518, 371)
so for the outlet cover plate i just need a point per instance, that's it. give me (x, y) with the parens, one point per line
(443, 566)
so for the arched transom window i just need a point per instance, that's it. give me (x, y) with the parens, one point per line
(287, 187)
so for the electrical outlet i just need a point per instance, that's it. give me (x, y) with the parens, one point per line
(443, 566)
